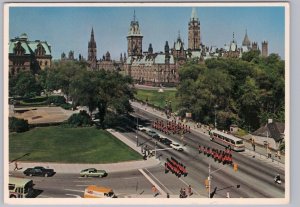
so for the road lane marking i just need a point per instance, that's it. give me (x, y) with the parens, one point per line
(152, 182)
(132, 178)
(82, 185)
(43, 196)
(158, 180)
(82, 191)
(76, 196)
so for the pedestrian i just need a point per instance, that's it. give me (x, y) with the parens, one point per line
(180, 193)
(253, 145)
(190, 190)
(168, 195)
(16, 166)
(154, 190)
(278, 154)
(184, 193)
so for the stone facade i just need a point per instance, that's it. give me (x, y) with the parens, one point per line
(194, 32)
(25, 55)
(264, 49)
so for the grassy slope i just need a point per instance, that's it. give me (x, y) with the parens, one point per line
(156, 98)
(69, 145)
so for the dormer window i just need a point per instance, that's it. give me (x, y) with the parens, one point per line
(19, 50)
(40, 51)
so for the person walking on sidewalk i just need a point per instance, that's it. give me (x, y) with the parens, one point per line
(190, 190)
(16, 166)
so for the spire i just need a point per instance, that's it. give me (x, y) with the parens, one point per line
(92, 42)
(92, 34)
(134, 29)
(194, 14)
(178, 38)
(246, 41)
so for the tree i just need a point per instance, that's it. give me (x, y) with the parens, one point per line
(103, 90)
(24, 84)
(245, 91)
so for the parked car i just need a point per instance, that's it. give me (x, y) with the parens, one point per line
(142, 128)
(176, 146)
(166, 141)
(39, 171)
(153, 134)
(92, 172)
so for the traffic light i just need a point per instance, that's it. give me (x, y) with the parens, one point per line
(235, 167)
(206, 183)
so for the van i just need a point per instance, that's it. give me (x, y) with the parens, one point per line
(20, 187)
(94, 191)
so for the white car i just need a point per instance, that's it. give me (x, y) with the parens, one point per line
(142, 128)
(176, 146)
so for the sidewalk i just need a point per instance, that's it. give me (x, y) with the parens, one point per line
(260, 151)
(110, 167)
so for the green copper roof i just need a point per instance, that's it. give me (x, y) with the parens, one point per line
(29, 46)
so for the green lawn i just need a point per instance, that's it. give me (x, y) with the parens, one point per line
(69, 145)
(157, 98)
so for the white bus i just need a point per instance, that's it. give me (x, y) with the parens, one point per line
(227, 140)
(20, 187)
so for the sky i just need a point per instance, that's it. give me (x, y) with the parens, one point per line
(69, 28)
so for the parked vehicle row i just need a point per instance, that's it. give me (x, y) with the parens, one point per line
(160, 138)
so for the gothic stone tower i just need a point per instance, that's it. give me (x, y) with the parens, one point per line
(264, 49)
(134, 39)
(92, 51)
(194, 31)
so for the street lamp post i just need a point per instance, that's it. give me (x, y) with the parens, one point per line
(216, 116)
(136, 137)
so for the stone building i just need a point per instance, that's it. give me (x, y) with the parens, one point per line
(104, 63)
(194, 32)
(92, 51)
(25, 55)
(150, 68)
(264, 49)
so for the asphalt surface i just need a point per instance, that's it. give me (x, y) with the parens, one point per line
(254, 175)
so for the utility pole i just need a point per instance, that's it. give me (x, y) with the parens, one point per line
(209, 181)
(215, 116)
(155, 149)
(136, 132)
(210, 177)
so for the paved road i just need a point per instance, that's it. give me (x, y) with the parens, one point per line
(255, 174)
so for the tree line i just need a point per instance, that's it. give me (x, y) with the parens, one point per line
(108, 92)
(245, 91)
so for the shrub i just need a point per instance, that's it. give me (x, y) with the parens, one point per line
(80, 120)
(56, 100)
(66, 106)
(18, 125)
(40, 99)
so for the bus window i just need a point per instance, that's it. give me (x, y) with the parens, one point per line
(11, 186)
(239, 142)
